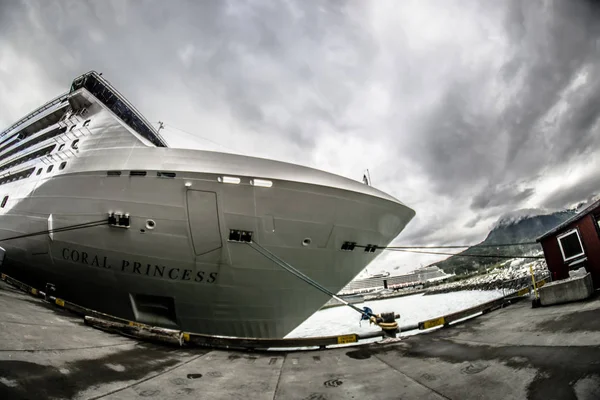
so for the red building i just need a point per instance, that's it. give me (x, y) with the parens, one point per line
(574, 244)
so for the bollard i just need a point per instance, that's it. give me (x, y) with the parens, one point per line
(536, 302)
(50, 291)
(387, 323)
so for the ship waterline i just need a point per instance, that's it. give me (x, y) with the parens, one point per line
(175, 262)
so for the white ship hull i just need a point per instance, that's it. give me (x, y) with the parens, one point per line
(174, 265)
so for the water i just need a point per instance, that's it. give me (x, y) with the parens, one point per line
(412, 309)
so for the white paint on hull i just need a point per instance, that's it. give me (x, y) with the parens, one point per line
(217, 287)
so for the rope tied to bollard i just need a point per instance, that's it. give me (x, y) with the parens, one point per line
(386, 321)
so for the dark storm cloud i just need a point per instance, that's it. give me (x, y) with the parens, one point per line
(570, 193)
(580, 129)
(473, 221)
(259, 55)
(462, 142)
(453, 141)
(555, 46)
(460, 109)
(422, 231)
(253, 56)
(497, 196)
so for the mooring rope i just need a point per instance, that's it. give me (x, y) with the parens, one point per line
(90, 224)
(269, 255)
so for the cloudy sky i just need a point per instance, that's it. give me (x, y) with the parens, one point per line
(464, 110)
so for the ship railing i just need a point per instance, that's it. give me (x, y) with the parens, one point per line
(57, 100)
(117, 103)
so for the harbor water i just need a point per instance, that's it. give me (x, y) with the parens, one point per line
(412, 309)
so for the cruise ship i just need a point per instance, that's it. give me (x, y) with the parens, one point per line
(172, 246)
(414, 279)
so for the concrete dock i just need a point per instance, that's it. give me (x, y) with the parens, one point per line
(517, 352)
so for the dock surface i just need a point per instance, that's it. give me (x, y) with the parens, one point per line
(517, 352)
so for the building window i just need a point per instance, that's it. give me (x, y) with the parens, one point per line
(87, 122)
(75, 144)
(4, 200)
(50, 168)
(62, 146)
(72, 127)
(62, 165)
(39, 171)
(570, 245)
(596, 219)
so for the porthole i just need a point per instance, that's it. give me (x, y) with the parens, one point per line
(49, 168)
(62, 165)
(306, 242)
(4, 200)
(150, 224)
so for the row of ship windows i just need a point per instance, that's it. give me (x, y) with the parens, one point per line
(48, 135)
(86, 123)
(160, 174)
(18, 176)
(54, 132)
(23, 175)
(27, 173)
(51, 167)
(37, 154)
(47, 150)
(74, 145)
(51, 133)
(222, 179)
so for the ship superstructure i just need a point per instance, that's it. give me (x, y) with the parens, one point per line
(173, 252)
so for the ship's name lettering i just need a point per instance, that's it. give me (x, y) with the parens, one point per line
(138, 268)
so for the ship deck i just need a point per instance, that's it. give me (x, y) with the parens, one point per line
(514, 353)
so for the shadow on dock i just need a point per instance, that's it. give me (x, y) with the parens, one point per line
(514, 352)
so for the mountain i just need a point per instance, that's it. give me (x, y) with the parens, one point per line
(525, 227)
(516, 227)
